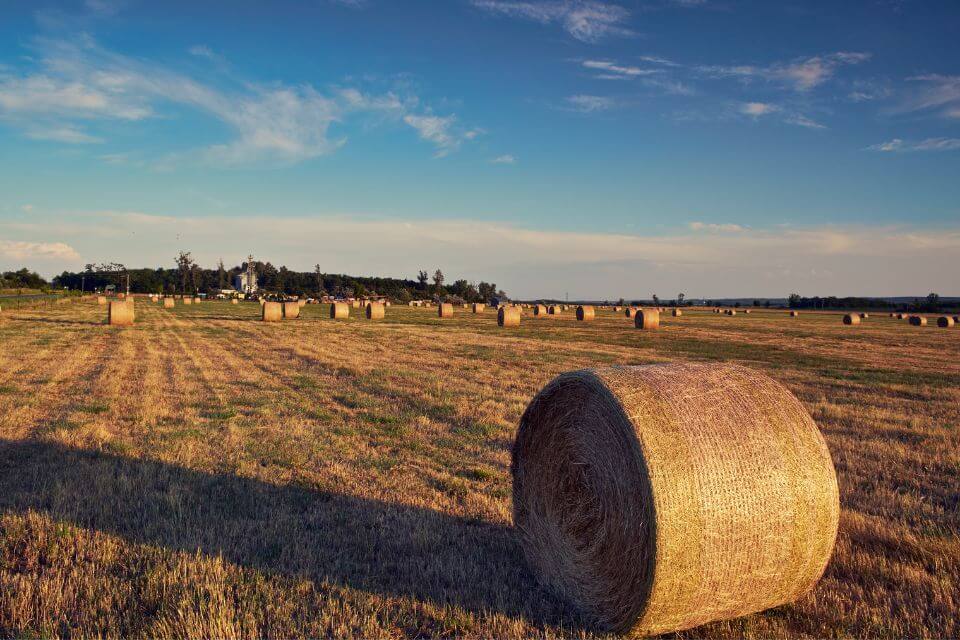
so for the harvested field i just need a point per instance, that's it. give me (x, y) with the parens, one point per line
(202, 473)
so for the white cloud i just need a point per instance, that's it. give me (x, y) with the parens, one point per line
(588, 103)
(803, 121)
(610, 70)
(802, 74)
(930, 144)
(724, 228)
(758, 108)
(441, 131)
(504, 159)
(43, 251)
(64, 133)
(935, 93)
(585, 20)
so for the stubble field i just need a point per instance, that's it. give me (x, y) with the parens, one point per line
(206, 474)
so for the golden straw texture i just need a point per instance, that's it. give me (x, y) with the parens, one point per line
(169, 303)
(794, 314)
(508, 317)
(271, 312)
(375, 311)
(647, 319)
(101, 300)
(120, 313)
(918, 321)
(187, 300)
(945, 322)
(554, 310)
(585, 313)
(291, 310)
(539, 310)
(234, 301)
(629, 312)
(478, 307)
(445, 310)
(851, 318)
(677, 312)
(658, 498)
(339, 310)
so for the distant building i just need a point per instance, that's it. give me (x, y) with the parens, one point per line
(246, 282)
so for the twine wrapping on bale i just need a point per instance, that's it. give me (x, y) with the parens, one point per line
(851, 318)
(918, 321)
(658, 498)
(945, 322)
(271, 312)
(585, 313)
(629, 312)
(120, 313)
(339, 310)
(647, 319)
(291, 310)
(169, 303)
(375, 311)
(508, 317)
(445, 310)
(677, 312)
(478, 307)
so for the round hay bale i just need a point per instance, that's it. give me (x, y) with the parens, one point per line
(731, 312)
(339, 310)
(864, 316)
(120, 313)
(375, 311)
(187, 300)
(197, 300)
(271, 312)
(900, 316)
(658, 498)
(585, 313)
(617, 309)
(748, 311)
(478, 307)
(508, 317)
(169, 303)
(647, 319)
(629, 312)
(851, 318)
(794, 314)
(101, 300)
(234, 301)
(539, 310)
(892, 315)
(302, 303)
(154, 299)
(554, 310)
(945, 322)
(677, 312)
(291, 310)
(956, 319)
(445, 310)
(918, 321)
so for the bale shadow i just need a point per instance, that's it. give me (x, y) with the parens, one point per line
(366, 544)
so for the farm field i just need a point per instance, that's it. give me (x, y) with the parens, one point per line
(206, 474)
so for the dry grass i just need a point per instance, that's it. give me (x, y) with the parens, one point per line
(205, 474)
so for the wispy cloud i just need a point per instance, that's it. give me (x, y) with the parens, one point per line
(610, 70)
(585, 20)
(41, 251)
(65, 134)
(933, 92)
(757, 109)
(727, 227)
(588, 104)
(802, 74)
(930, 144)
(504, 159)
(441, 131)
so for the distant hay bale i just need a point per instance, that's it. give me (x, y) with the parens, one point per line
(154, 299)
(677, 312)
(271, 312)
(101, 300)
(617, 309)
(648, 319)
(445, 310)
(120, 313)
(375, 311)
(629, 312)
(851, 318)
(794, 314)
(169, 303)
(539, 310)
(302, 303)
(234, 301)
(355, 304)
(339, 310)
(900, 316)
(945, 322)
(508, 317)
(731, 312)
(565, 307)
(892, 315)
(478, 307)
(658, 498)
(585, 313)
(291, 310)
(864, 316)
(187, 300)
(748, 310)
(554, 310)
(918, 321)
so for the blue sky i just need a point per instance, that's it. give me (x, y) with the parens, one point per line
(578, 147)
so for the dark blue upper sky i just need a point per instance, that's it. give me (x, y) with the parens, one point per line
(619, 135)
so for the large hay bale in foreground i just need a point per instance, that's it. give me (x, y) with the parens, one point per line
(508, 317)
(291, 310)
(169, 303)
(271, 312)
(918, 321)
(445, 310)
(851, 318)
(945, 322)
(120, 313)
(339, 310)
(585, 313)
(375, 311)
(659, 498)
(647, 319)
(478, 307)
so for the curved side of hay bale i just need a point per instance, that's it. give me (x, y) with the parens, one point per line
(339, 310)
(945, 322)
(539, 310)
(918, 321)
(647, 319)
(169, 303)
(291, 310)
(731, 312)
(508, 317)
(234, 301)
(851, 318)
(677, 312)
(375, 311)
(478, 307)
(585, 313)
(554, 310)
(629, 312)
(445, 310)
(120, 313)
(659, 498)
(271, 312)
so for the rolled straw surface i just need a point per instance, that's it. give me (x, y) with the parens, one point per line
(291, 310)
(120, 313)
(851, 318)
(187, 300)
(478, 308)
(918, 321)
(101, 300)
(539, 310)
(794, 314)
(234, 301)
(585, 313)
(658, 498)
(508, 317)
(375, 311)
(629, 312)
(677, 312)
(554, 310)
(945, 322)
(445, 310)
(339, 310)
(647, 319)
(271, 312)
(169, 303)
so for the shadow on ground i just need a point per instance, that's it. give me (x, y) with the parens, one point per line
(361, 543)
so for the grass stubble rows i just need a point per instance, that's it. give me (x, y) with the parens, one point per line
(205, 474)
